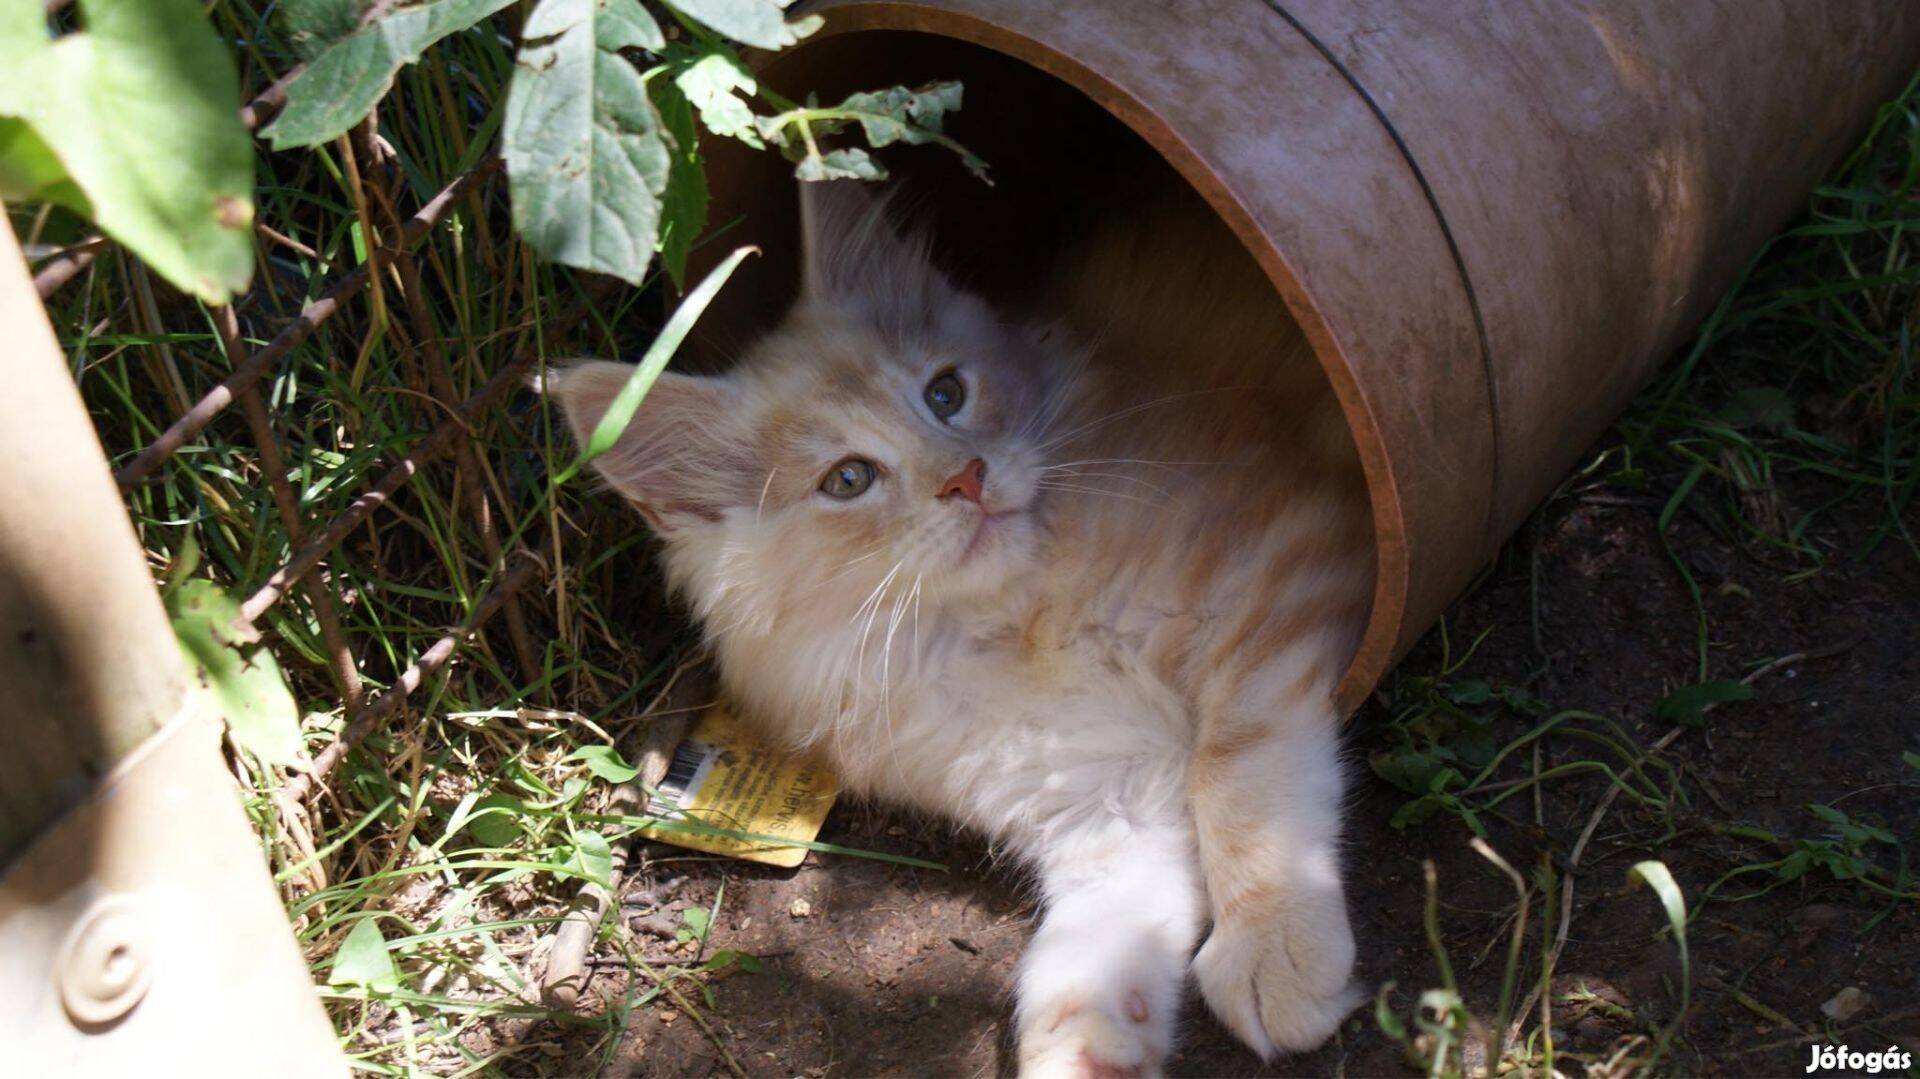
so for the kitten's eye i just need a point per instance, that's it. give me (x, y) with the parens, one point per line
(848, 479)
(945, 394)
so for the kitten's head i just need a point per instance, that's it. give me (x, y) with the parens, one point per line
(884, 436)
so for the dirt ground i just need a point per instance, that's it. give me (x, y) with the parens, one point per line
(877, 969)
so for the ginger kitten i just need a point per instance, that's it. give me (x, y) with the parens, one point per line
(1084, 583)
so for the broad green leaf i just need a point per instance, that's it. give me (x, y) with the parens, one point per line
(343, 84)
(29, 169)
(241, 675)
(592, 858)
(898, 114)
(312, 25)
(141, 109)
(1912, 758)
(605, 762)
(496, 820)
(695, 924)
(1827, 813)
(647, 371)
(586, 160)
(760, 23)
(363, 960)
(851, 163)
(1688, 705)
(709, 83)
(1795, 865)
(727, 957)
(683, 212)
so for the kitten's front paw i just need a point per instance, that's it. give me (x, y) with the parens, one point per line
(1079, 1040)
(1280, 981)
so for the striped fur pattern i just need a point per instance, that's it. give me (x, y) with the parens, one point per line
(1117, 663)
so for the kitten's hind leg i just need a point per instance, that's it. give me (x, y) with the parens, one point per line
(1101, 981)
(1277, 966)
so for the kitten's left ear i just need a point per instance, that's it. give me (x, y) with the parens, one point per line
(854, 257)
(685, 457)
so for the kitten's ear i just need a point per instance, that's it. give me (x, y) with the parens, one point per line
(853, 256)
(683, 460)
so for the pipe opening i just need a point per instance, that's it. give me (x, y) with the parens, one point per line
(1060, 162)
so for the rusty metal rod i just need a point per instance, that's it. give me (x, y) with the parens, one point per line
(525, 565)
(345, 674)
(441, 379)
(63, 267)
(310, 317)
(443, 438)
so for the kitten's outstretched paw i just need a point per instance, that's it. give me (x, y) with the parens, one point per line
(1281, 983)
(1076, 1040)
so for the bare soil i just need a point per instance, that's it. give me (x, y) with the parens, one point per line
(875, 969)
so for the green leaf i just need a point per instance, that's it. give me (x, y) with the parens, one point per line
(343, 84)
(647, 371)
(695, 924)
(586, 160)
(710, 84)
(363, 960)
(141, 110)
(496, 820)
(1912, 758)
(29, 170)
(851, 163)
(760, 23)
(898, 114)
(1827, 813)
(605, 762)
(683, 212)
(592, 858)
(1418, 811)
(1795, 865)
(312, 25)
(1688, 705)
(241, 675)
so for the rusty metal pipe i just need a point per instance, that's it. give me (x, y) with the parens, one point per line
(1492, 220)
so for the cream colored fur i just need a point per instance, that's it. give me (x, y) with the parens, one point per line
(1118, 665)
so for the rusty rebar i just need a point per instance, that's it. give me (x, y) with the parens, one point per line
(345, 673)
(441, 379)
(525, 564)
(310, 317)
(666, 720)
(62, 268)
(437, 443)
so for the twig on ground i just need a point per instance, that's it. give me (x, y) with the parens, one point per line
(565, 977)
(523, 567)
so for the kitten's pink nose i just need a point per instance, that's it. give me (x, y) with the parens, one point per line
(966, 482)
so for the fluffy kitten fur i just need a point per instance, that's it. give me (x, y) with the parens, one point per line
(1117, 663)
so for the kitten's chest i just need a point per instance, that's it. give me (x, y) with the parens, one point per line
(1028, 722)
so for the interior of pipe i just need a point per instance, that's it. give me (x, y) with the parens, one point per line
(1054, 155)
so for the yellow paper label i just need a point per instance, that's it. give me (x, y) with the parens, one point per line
(722, 777)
